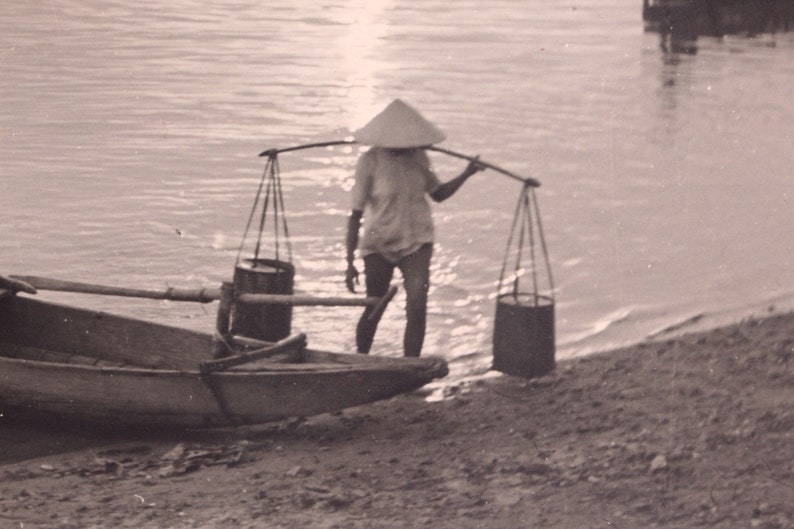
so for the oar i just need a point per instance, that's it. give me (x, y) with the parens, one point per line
(202, 295)
(298, 300)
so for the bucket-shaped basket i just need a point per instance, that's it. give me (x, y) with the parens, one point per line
(523, 340)
(269, 322)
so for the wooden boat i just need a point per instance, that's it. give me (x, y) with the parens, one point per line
(717, 18)
(98, 367)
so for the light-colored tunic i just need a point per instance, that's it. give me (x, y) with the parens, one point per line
(391, 190)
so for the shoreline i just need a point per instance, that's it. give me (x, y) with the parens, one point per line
(690, 431)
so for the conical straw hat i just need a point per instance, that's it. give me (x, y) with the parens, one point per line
(399, 126)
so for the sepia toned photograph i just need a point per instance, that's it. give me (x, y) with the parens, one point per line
(385, 264)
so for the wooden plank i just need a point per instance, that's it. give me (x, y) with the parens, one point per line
(35, 354)
(71, 330)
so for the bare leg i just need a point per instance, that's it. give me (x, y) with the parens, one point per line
(378, 272)
(416, 276)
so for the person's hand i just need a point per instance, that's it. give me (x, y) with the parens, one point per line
(474, 166)
(351, 277)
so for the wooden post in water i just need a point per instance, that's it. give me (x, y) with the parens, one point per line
(222, 323)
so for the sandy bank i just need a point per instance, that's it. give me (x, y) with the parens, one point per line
(692, 432)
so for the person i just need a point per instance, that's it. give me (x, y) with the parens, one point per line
(393, 181)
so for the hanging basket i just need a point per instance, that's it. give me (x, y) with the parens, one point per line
(524, 337)
(259, 275)
(263, 321)
(523, 341)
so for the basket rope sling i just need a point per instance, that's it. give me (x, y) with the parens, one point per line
(265, 275)
(524, 338)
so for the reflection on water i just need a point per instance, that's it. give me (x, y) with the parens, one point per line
(680, 22)
(130, 137)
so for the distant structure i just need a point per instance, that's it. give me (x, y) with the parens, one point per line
(689, 19)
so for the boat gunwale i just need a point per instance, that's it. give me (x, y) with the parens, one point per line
(430, 363)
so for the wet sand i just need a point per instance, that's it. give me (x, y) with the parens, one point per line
(696, 431)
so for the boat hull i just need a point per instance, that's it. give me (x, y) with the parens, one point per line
(147, 373)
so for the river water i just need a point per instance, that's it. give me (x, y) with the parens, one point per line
(129, 137)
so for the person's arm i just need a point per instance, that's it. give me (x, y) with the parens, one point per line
(449, 188)
(359, 198)
(351, 243)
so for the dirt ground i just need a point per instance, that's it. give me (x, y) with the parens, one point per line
(696, 431)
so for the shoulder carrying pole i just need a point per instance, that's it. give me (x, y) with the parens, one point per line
(528, 181)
